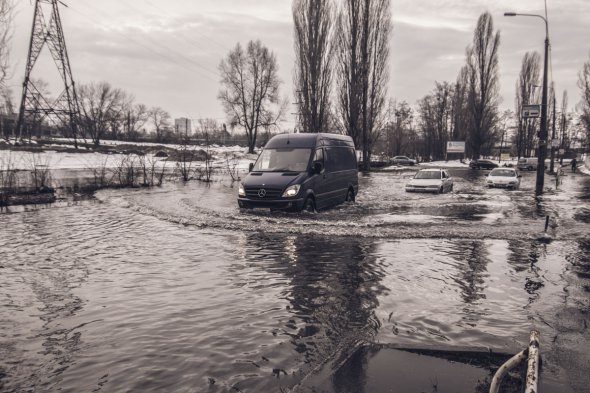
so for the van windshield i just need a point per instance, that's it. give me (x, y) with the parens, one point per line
(283, 160)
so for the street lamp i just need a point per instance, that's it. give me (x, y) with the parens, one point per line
(543, 131)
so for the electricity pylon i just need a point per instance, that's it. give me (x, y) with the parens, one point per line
(33, 103)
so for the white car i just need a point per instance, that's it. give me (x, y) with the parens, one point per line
(431, 180)
(503, 177)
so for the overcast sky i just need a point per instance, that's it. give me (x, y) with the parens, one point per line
(166, 52)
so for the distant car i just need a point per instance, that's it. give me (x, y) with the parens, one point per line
(403, 160)
(530, 163)
(431, 180)
(482, 164)
(504, 178)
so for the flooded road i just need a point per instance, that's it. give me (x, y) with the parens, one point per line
(173, 289)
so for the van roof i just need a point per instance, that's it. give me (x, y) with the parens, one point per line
(309, 140)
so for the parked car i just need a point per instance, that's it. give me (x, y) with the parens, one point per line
(530, 163)
(377, 161)
(403, 160)
(503, 177)
(431, 180)
(482, 164)
(301, 172)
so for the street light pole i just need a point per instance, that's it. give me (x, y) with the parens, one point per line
(542, 149)
(551, 166)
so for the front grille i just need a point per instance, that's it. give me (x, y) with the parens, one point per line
(271, 193)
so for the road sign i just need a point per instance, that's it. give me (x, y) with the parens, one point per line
(531, 111)
(455, 147)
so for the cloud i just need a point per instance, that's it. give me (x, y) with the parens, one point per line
(167, 53)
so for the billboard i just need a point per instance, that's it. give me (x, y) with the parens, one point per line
(455, 147)
(531, 111)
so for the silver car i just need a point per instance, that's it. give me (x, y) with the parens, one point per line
(503, 177)
(403, 160)
(431, 180)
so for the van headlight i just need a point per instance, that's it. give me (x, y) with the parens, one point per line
(241, 191)
(291, 191)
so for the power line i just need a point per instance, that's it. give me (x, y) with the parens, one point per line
(209, 39)
(152, 50)
(178, 37)
(192, 61)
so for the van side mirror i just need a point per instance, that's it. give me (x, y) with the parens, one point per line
(317, 167)
(250, 167)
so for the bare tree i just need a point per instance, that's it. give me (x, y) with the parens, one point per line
(436, 120)
(313, 28)
(482, 71)
(6, 112)
(6, 107)
(6, 18)
(100, 103)
(364, 28)
(584, 85)
(117, 120)
(136, 118)
(160, 120)
(349, 71)
(527, 94)
(564, 123)
(208, 129)
(250, 89)
(399, 128)
(461, 118)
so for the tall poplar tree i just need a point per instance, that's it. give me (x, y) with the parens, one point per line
(483, 79)
(313, 28)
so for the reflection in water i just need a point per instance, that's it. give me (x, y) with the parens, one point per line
(333, 288)
(524, 258)
(473, 257)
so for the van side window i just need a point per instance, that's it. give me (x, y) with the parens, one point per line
(333, 159)
(350, 158)
(340, 158)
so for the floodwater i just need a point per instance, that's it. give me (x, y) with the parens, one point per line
(173, 289)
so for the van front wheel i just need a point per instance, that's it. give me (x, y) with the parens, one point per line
(350, 196)
(309, 205)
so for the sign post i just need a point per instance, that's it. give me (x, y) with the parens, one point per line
(455, 147)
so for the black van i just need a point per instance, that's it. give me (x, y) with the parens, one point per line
(302, 172)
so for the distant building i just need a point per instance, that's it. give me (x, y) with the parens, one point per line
(183, 126)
